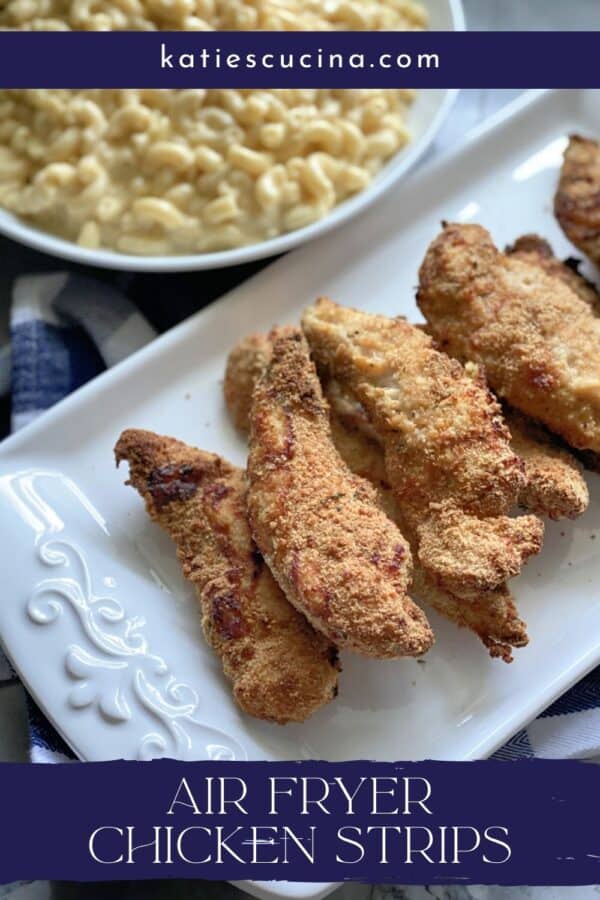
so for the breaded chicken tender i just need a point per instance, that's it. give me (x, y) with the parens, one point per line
(330, 546)
(447, 452)
(536, 250)
(555, 486)
(493, 615)
(280, 668)
(537, 339)
(554, 483)
(577, 198)
(245, 364)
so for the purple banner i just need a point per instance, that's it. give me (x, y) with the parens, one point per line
(254, 59)
(528, 822)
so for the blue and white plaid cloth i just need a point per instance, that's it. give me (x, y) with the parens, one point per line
(64, 330)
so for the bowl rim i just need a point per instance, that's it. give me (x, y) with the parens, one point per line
(16, 229)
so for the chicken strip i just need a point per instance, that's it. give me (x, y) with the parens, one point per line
(492, 616)
(554, 485)
(577, 198)
(537, 340)
(332, 549)
(446, 447)
(533, 249)
(245, 364)
(281, 669)
(536, 250)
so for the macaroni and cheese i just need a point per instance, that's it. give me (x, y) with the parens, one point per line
(191, 171)
(210, 15)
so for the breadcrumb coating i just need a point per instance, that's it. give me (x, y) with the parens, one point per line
(554, 483)
(555, 486)
(534, 249)
(577, 198)
(330, 546)
(493, 615)
(280, 668)
(468, 555)
(446, 447)
(245, 364)
(537, 340)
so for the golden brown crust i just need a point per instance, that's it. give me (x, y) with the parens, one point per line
(577, 198)
(537, 340)
(555, 485)
(281, 669)
(534, 249)
(492, 616)
(489, 551)
(338, 557)
(245, 364)
(568, 488)
(446, 447)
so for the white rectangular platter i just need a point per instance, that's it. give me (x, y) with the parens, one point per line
(131, 676)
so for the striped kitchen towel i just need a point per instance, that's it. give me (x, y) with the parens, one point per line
(64, 330)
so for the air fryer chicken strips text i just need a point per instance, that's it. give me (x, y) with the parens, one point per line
(332, 549)
(281, 670)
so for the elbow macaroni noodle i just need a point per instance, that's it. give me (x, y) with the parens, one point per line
(211, 15)
(190, 171)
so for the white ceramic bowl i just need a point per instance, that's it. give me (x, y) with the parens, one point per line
(425, 118)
